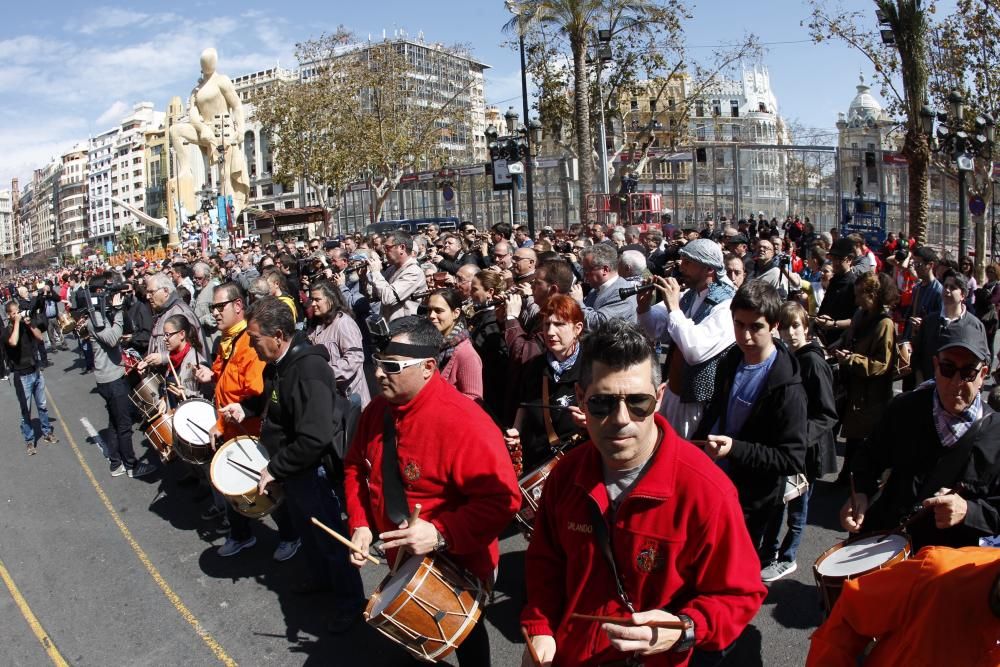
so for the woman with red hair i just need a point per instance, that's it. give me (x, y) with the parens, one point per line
(547, 393)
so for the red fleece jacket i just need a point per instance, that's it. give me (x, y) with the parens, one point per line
(452, 461)
(679, 543)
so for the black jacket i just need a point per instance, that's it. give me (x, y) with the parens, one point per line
(488, 339)
(140, 324)
(534, 437)
(817, 380)
(771, 445)
(304, 418)
(838, 302)
(906, 441)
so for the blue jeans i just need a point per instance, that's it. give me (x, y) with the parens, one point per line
(28, 387)
(798, 511)
(310, 495)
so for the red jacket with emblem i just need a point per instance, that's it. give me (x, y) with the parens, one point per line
(452, 461)
(679, 543)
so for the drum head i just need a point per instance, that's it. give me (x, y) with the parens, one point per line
(193, 419)
(861, 556)
(394, 585)
(228, 478)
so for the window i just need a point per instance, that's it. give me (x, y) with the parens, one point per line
(699, 108)
(716, 108)
(652, 106)
(734, 108)
(635, 105)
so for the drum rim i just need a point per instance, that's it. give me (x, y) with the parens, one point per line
(218, 452)
(907, 550)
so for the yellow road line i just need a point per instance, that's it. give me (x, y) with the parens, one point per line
(32, 620)
(181, 608)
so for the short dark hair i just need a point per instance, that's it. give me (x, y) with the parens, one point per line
(418, 329)
(232, 291)
(272, 315)
(399, 237)
(503, 229)
(558, 272)
(759, 297)
(926, 254)
(961, 280)
(618, 344)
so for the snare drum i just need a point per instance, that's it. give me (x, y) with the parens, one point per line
(193, 419)
(852, 559)
(531, 493)
(146, 396)
(238, 485)
(429, 606)
(160, 434)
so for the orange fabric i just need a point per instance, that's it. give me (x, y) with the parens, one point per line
(243, 377)
(929, 610)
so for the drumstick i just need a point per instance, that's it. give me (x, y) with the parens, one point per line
(854, 495)
(244, 467)
(401, 554)
(621, 620)
(546, 406)
(176, 377)
(197, 427)
(233, 463)
(531, 648)
(346, 542)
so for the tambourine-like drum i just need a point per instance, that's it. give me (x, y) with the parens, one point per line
(429, 606)
(231, 475)
(160, 434)
(531, 492)
(66, 322)
(193, 419)
(146, 396)
(854, 558)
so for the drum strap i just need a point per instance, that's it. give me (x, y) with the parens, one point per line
(949, 468)
(392, 483)
(550, 430)
(232, 351)
(604, 544)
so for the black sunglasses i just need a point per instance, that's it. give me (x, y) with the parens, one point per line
(221, 305)
(967, 373)
(640, 406)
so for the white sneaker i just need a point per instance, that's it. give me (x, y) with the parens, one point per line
(233, 547)
(286, 550)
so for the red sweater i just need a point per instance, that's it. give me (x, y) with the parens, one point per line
(452, 461)
(465, 371)
(680, 544)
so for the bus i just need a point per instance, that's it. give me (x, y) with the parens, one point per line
(413, 226)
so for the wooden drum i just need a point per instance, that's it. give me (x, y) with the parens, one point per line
(231, 475)
(855, 558)
(429, 606)
(160, 434)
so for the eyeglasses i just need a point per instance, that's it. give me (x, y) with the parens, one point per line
(640, 406)
(172, 333)
(967, 373)
(221, 305)
(392, 367)
(501, 255)
(521, 259)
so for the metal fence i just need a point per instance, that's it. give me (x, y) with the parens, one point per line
(709, 181)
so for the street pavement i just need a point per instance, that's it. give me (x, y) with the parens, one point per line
(121, 571)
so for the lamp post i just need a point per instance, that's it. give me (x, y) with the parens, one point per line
(509, 155)
(603, 55)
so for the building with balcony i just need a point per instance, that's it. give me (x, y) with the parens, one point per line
(71, 200)
(869, 139)
(6, 226)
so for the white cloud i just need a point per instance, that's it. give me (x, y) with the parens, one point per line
(113, 113)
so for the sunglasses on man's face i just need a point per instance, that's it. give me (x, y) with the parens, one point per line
(640, 406)
(967, 373)
(392, 366)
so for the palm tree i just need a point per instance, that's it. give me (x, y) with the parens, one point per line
(578, 20)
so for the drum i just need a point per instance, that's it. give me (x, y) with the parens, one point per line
(66, 322)
(429, 606)
(854, 558)
(146, 396)
(531, 492)
(236, 483)
(160, 434)
(193, 419)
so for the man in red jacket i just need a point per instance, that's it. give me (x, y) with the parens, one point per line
(639, 505)
(450, 459)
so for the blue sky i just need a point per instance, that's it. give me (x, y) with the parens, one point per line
(69, 70)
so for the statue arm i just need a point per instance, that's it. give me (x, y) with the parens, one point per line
(194, 115)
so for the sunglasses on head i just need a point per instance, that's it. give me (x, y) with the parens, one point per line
(967, 373)
(640, 406)
(392, 366)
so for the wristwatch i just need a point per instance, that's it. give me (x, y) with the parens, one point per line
(442, 543)
(686, 642)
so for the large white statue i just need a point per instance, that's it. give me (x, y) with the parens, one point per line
(215, 118)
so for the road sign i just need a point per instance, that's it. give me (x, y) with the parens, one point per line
(977, 206)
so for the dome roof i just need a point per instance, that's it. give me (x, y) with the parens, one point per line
(864, 109)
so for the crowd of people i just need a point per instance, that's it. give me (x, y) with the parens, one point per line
(678, 391)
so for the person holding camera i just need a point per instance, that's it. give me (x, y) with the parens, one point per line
(105, 325)
(20, 341)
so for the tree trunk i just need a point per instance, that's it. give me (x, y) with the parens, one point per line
(581, 109)
(918, 160)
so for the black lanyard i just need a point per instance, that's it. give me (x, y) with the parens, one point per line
(392, 483)
(604, 544)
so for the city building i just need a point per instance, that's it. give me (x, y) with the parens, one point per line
(868, 139)
(116, 163)
(6, 226)
(71, 198)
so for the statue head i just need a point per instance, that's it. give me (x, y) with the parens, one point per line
(209, 59)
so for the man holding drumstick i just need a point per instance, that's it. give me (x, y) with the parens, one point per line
(422, 442)
(636, 527)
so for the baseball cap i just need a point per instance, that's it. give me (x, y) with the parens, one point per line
(967, 332)
(330, 245)
(704, 252)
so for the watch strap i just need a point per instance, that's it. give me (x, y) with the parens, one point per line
(686, 641)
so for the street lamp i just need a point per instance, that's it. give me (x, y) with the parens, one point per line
(513, 154)
(523, 16)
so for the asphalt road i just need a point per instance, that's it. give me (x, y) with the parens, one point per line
(123, 571)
